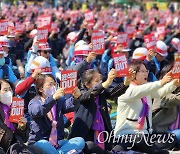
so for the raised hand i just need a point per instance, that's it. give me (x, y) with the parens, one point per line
(91, 57)
(76, 93)
(59, 93)
(167, 78)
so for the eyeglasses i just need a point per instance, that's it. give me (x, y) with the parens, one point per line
(144, 71)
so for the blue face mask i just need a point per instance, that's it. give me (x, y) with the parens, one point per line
(2, 61)
(78, 59)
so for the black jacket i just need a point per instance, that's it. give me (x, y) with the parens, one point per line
(85, 114)
(7, 136)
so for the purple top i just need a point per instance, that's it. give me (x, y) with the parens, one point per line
(98, 123)
(6, 110)
(144, 112)
(176, 124)
(53, 112)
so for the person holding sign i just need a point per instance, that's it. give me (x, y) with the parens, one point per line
(92, 116)
(47, 125)
(41, 50)
(134, 112)
(166, 110)
(173, 51)
(6, 72)
(145, 55)
(157, 60)
(115, 49)
(9, 130)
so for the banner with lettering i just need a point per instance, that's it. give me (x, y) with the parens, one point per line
(68, 81)
(161, 31)
(121, 65)
(150, 41)
(122, 39)
(54, 27)
(98, 43)
(42, 35)
(130, 30)
(176, 69)
(141, 27)
(20, 27)
(3, 27)
(17, 109)
(44, 22)
(89, 17)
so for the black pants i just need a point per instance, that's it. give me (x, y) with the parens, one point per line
(155, 143)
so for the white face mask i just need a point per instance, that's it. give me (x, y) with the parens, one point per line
(6, 98)
(5, 54)
(50, 91)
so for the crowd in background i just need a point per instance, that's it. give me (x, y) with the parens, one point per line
(148, 98)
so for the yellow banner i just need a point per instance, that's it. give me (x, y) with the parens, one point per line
(84, 7)
(160, 5)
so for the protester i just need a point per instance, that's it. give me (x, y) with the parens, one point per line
(92, 116)
(11, 132)
(134, 112)
(6, 72)
(47, 126)
(166, 110)
(38, 39)
(158, 61)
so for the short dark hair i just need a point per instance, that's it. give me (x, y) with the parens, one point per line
(39, 82)
(136, 64)
(2, 80)
(87, 76)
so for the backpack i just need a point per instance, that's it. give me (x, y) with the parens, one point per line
(20, 148)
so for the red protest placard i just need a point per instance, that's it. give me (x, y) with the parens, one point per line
(161, 30)
(176, 69)
(97, 40)
(141, 27)
(54, 26)
(121, 65)
(44, 22)
(20, 27)
(11, 25)
(122, 39)
(68, 81)
(3, 27)
(89, 17)
(17, 109)
(110, 24)
(130, 30)
(42, 35)
(113, 26)
(150, 41)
